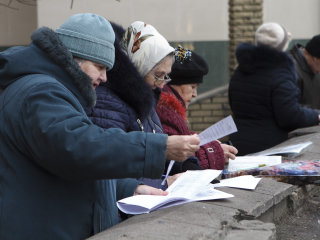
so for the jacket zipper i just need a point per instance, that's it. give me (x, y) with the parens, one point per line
(154, 131)
(140, 124)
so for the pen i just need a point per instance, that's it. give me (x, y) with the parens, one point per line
(168, 171)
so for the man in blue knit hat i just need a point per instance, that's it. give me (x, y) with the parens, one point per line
(51, 154)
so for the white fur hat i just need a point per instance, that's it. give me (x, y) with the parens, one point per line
(273, 35)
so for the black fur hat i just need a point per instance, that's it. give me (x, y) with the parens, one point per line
(188, 67)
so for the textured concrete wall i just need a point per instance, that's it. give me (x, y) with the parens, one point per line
(17, 22)
(179, 20)
(244, 18)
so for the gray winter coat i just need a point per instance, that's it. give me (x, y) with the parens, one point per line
(308, 82)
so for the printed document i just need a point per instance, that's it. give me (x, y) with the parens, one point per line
(191, 186)
(218, 130)
(250, 162)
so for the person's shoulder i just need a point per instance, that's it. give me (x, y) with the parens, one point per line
(295, 52)
(33, 81)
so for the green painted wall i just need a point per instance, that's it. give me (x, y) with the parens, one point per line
(216, 53)
(301, 41)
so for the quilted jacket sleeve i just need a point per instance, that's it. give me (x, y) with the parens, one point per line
(288, 112)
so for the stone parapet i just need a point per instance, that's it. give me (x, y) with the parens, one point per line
(249, 215)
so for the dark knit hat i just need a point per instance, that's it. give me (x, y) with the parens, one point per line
(188, 67)
(313, 46)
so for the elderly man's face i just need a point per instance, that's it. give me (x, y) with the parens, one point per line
(97, 72)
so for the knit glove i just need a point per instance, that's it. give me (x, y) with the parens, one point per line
(211, 156)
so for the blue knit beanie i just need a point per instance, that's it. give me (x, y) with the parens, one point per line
(89, 36)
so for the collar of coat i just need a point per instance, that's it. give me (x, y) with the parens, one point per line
(126, 82)
(251, 58)
(298, 56)
(169, 98)
(48, 41)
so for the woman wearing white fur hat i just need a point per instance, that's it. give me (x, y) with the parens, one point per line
(263, 94)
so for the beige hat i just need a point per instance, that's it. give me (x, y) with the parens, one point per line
(273, 35)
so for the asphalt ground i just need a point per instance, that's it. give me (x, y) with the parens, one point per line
(302, 225)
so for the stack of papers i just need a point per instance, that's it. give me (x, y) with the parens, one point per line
(191, 186)
(250, 162)
(289, 151)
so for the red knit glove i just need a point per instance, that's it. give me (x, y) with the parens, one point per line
(211, 156)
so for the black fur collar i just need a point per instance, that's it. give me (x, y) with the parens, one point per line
(126, 81)
(48, 41)
(251, 57)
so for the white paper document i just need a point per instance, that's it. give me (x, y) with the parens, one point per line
(250, 162)
(245, 182)
(291, 150)
(218, 130)
(191, 186)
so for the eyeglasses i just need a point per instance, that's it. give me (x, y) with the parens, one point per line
(164, 80)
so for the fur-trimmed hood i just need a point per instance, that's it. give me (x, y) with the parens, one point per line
(251, 58)
(125, 80)
(46, 55)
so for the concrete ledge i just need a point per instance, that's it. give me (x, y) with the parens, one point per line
(249, 215)
(189, 220)
(254, 203)
(219, 219)
(252, 230)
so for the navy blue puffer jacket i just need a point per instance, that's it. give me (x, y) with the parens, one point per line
(264, 97)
